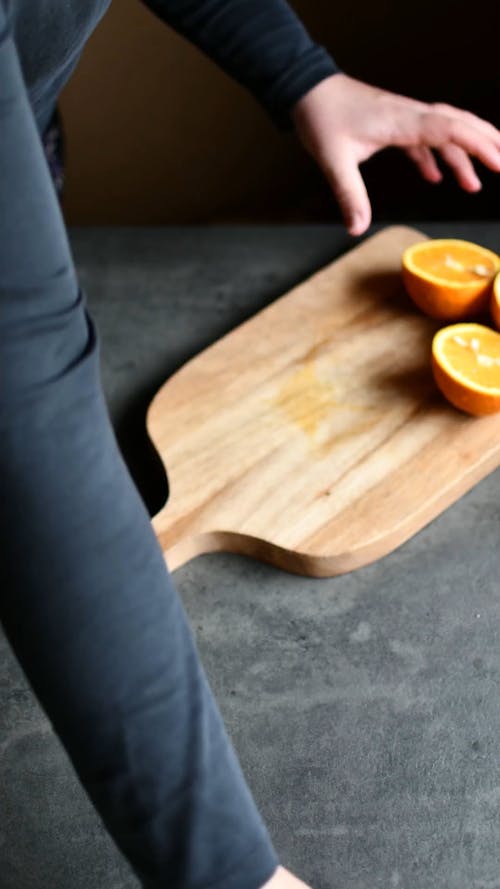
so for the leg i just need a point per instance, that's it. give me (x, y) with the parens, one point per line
(86, 600)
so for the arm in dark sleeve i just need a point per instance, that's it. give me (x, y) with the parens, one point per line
(260, 43)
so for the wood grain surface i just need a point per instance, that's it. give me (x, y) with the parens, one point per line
(313, 436)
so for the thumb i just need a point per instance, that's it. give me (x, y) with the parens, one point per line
(346, 182)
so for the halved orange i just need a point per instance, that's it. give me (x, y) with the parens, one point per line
(466, 367)
(449, 279)
(495, 302)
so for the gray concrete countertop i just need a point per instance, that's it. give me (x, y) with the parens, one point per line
(364, 708)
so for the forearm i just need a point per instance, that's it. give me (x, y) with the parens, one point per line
(260, 43)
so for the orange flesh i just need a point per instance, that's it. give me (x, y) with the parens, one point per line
(463, 359)
(432, 259)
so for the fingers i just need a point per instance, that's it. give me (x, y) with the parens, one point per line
(438, 130)
(487, 128)
(426, 162)
(455, 157)
(342, 172)
(460, 163)
(455, 133)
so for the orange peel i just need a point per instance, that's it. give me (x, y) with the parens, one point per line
(495, 302)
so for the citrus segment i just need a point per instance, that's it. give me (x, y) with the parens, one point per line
(449, 279)
(466, 367)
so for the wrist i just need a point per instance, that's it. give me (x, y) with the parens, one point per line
(296, 81)
(312, 102)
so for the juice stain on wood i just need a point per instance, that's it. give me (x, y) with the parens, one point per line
(305, 399)
(315, 404)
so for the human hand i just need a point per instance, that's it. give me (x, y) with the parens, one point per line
(342, 122)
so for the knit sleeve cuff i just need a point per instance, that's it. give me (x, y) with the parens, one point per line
(315, 65)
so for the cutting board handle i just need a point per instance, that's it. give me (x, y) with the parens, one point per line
(179, 546)
(183, 539)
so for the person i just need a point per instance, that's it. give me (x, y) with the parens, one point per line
(87, 602)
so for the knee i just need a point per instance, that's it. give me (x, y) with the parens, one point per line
(48, 359)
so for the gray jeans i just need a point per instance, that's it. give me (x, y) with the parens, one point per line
(86, 600)
(54, 148)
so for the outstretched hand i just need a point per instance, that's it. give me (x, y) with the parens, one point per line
(342, 122)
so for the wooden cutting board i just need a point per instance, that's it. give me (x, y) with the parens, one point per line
(313, 436)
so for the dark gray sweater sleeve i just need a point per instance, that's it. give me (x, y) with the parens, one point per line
(260, 43)
(86, 600)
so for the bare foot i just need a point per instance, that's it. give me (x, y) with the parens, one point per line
(283, 879)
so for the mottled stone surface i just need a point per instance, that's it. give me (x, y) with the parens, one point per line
(364, 708)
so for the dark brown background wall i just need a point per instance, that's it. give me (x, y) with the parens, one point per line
(156, 133)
